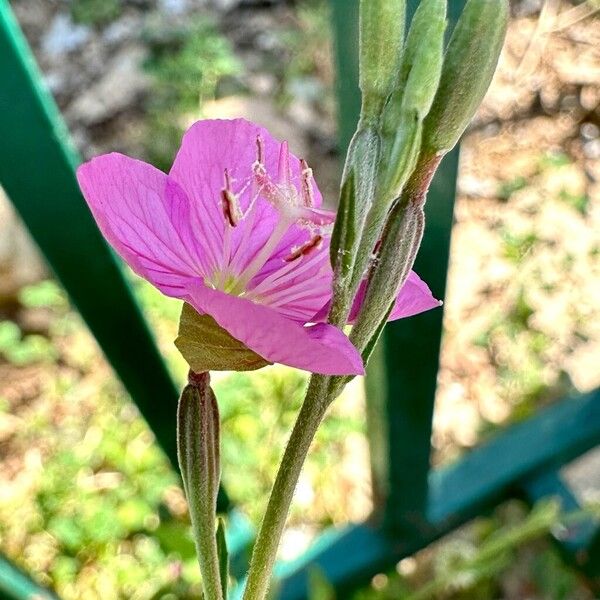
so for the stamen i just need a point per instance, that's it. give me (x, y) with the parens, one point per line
(288, 272)
(257, 263)
(305, 249)
(284, 171)
(306, 288)
(307, 189)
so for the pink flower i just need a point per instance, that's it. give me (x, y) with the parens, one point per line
(236, 230)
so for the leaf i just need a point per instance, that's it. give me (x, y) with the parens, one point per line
(206, 346)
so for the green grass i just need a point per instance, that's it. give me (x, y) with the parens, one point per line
(95, 12)
(103, 516)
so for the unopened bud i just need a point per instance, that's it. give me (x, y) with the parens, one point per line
(423, 56)
(198, 447)
(469, 65)
(198, 439)
(411, 100)
(382, 25)
(396, 255)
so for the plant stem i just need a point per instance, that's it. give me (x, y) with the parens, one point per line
(265, 548)
(208, 558)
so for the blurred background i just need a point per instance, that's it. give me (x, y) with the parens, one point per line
(89, 505)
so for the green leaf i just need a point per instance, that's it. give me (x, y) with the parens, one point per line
(206, 346)
(223, 556)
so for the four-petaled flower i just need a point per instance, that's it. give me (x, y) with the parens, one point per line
(236, 230)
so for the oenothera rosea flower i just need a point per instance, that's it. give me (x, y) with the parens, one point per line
(235, 229)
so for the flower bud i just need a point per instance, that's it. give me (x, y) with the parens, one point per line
(423, 57)
(411, 100)
(469, 65)
(198, 439)
(399, 245)
(382, 25)
(198, 448)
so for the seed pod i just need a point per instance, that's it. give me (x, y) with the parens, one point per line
(399, 245)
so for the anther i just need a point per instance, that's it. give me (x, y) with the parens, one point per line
(229, 208)
(305, 249)
(260, 150)
(229, 201)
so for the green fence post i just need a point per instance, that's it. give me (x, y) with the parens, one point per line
(37, 167)
(402, 394)
(344, 17)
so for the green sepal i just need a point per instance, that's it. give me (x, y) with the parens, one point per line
(206, 346)
(469, 64)
(382, 24)
(223, 556)
(344, 230)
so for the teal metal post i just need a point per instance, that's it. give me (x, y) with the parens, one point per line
(16, 585)
(37, 171)
(521, 458)
(344, 16)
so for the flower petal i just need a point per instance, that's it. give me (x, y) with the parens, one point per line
(209, 148)
(319, 348)
(146, 218)
(414, 298)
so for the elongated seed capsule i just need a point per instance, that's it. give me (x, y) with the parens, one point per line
(400, 242)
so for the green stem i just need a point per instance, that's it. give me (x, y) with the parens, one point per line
(208, 558)
(265, 548)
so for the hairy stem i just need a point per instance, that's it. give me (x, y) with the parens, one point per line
(265, 548)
